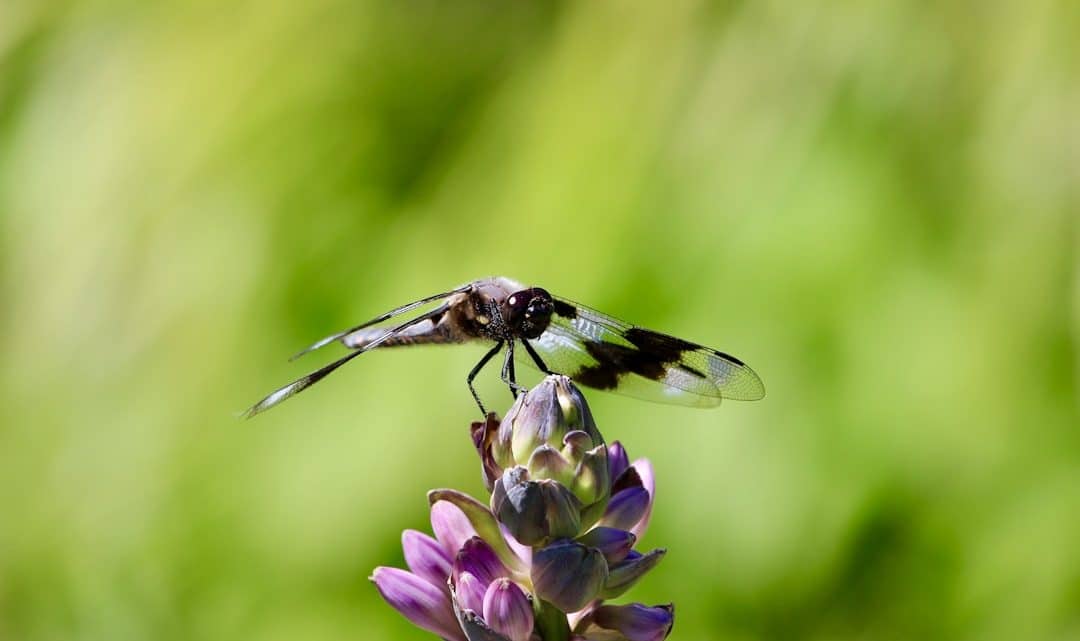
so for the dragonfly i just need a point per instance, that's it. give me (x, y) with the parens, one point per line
(558, 337)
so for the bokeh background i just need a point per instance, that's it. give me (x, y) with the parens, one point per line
(874, 204)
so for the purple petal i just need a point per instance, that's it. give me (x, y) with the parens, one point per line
(622, 576)
(451, 526)
(507, 610)
(648, 480)
(626, 508)
(617, 460)
(523, 552)
(613, 544)
(426, 558)
(421, 602)
(628, 479)
(481, 521)
(636, 622)
(478, 559)
(470, 592)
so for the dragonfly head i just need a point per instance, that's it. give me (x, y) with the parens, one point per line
(528, 312)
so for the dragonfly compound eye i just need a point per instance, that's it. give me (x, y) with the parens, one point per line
(539, 308)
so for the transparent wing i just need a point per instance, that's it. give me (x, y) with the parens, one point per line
(605, 353)
(282, 394)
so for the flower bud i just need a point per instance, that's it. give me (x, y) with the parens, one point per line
(548, 435)
(590, 479)
(546, 462)
(507, 610)
(421, 602)
(568, 574)
(469, 592)
(535, 511)
(635, 622)
(478, 559)
(544, 415)
(471, 620)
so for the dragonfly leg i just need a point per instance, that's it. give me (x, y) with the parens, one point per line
(476, 370)
(508, 375)
(536, 358)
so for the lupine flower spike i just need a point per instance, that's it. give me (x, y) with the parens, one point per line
(555, 541)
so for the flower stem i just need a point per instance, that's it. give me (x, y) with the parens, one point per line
(550, 622)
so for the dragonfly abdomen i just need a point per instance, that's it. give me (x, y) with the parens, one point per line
(425, 333)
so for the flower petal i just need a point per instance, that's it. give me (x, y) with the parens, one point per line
(451, 526)
(426, 558)
(534, 420)
(523, 552)
(483, 524)
(546, 462)
(590, 481)
(477, 558)
(421, 602)
(613, 543)
(626, 508)
(507, 610)
(648, 481)
(483, 434)
(622, 576)
(629, 478)
(617, 460)
(576, 443)
(469, 592)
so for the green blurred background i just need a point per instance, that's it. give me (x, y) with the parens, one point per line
(873, 204)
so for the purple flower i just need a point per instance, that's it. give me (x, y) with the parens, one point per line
(509, 610)
(565, 513)
(458, 557)
(487, 602)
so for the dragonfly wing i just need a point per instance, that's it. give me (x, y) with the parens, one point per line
(605, 353)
